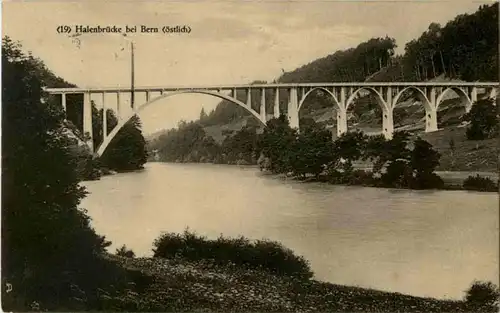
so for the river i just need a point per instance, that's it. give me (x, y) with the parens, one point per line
(423, 243)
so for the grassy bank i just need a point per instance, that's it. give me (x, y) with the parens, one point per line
(466, 155)
(192, 273)
(204, 286)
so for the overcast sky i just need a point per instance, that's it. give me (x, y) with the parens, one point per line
(230, 42)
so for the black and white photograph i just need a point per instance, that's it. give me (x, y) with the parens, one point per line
(250, 156)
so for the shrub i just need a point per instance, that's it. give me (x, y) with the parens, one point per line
(361, 177)
(427, 181)
(268, 255)
(482, 297)
(123, 251)
(483, 118)
(479, 183)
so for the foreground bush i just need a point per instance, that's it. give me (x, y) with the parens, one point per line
(268, 255)
(483, 297)
(479, 183)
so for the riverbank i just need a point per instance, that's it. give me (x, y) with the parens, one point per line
(180, 285)
(453, 180)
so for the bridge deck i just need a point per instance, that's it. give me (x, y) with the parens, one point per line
(285, 85)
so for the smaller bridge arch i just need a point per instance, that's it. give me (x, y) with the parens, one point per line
(107, 140)
(380, 99)
(420, 95)
(461, 92)
(335, 100)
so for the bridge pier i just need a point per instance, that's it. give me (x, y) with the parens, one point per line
(493, 94)
(262, 110)
(387, 111)
(63, 102)
(87, 120)
(293, 108)
(341, 110)
(431, 121)
(473, 98)
(387, 123)
(431, 105)
(341, 122)
(276, 110)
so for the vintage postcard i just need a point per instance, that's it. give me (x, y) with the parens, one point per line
(238, 156)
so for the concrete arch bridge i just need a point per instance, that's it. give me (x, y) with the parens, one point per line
(430, 94)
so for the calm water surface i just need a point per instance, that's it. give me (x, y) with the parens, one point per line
(425, 243)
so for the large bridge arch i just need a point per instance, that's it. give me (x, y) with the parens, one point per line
(122, 121)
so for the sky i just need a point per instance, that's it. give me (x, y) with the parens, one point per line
(231, 42)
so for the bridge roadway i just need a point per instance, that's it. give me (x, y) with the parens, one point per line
(387, 95)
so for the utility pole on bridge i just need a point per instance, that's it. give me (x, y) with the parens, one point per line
(132, 83)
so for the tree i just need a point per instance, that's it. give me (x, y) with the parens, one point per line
(203, 115)
(127, 151)
(397, 155)
(483, 118)
(349, 147)
(241, 146)
(276, 144)
(467, 45)
(187, 143)
(375, 151)
(312, 151)
(424, 160)
(482, 297)
(125, 252)
(47, 241)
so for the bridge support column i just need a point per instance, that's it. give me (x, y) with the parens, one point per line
(493, 94)
(341, 122)
(262, 110)
(293, 111)
(63, 101)
(87, 120)
(249, 97)
(118, 103)
(341, 112)
(387, 123)
(431, 123)
(276, 110)
(473, 99)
